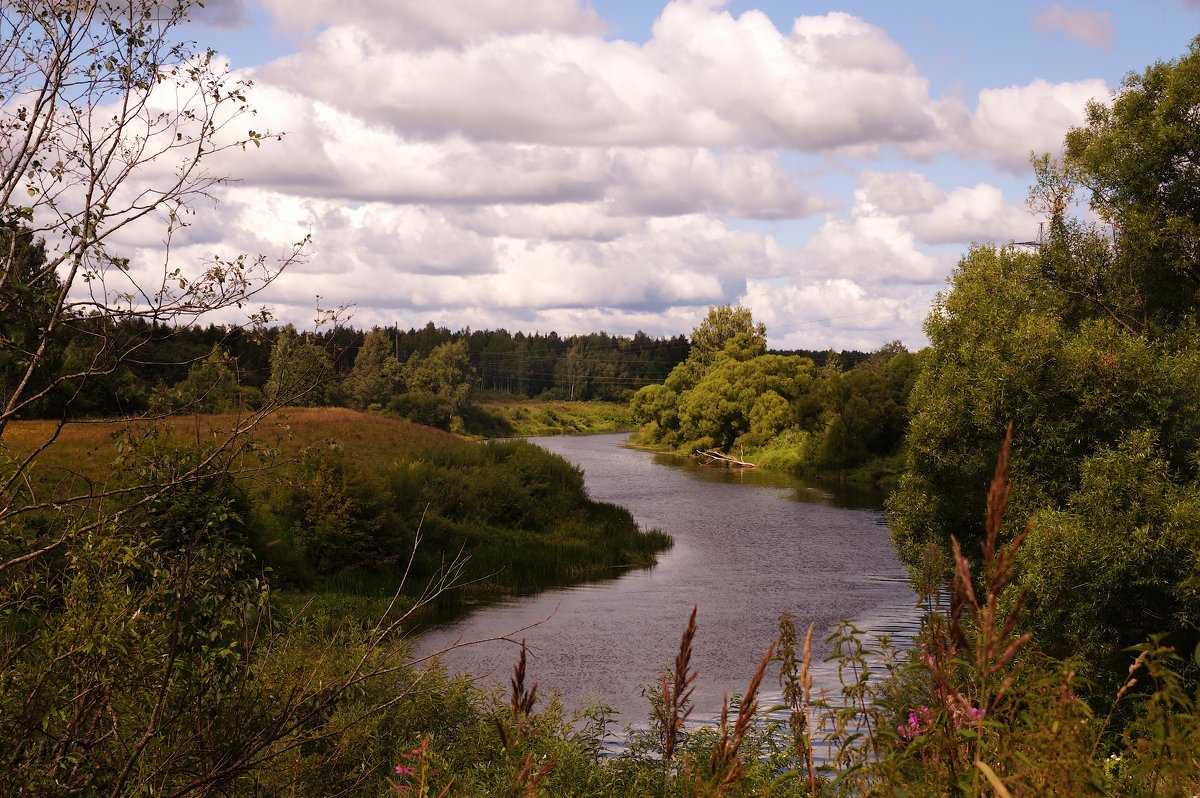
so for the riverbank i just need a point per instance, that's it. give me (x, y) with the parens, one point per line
(528, 418)
(791, 453)
(346, 508)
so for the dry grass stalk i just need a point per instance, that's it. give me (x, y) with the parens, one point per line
(529, 779)
(995, 645)
(806, 682)
(726, 766)
(981, 631)
(521, 702)
(795, 678)
(677, 692)
(793, 668)
(523, 697)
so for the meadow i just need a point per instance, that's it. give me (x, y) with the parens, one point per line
(498, 416)
(337, 500)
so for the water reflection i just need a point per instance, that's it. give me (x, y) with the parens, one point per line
(829, 492)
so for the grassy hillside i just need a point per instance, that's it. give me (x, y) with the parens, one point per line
(341, 501)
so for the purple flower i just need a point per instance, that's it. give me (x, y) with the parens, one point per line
(919, 720)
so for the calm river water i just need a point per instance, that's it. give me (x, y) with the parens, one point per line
(748, 546)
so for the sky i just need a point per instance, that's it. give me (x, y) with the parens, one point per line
(618, 166)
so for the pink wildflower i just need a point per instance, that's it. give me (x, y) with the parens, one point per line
(919, 720)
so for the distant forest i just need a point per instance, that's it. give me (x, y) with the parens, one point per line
(595, 366)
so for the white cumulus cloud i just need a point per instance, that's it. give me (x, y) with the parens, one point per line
(1010, 123)
(705, 78)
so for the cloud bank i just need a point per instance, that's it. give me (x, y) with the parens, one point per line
(508, 165)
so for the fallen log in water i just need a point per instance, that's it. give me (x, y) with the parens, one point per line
(713, 457)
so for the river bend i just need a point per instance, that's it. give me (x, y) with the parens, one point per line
(748, 546)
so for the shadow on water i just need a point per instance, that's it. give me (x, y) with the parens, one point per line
(818, 490)
(440, 615)
(749, 545)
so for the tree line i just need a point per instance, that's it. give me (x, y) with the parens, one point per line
(179, 364)
(95, 366)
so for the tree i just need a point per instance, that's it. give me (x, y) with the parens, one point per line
(1138, 160)
(301, 371)
(211, 386)
(1090, 347)
(1130, 532)
(737, 395)
(719, 327)
(744, 397)
(588, 368)
(376, 375)
(27, 291)
(446, 373)
(863, 410)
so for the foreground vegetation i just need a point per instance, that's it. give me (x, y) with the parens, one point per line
(976, 709)
(256, 607)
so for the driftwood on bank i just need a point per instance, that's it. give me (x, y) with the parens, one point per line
(713, 457)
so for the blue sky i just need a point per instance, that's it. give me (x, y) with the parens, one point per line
(620, 165)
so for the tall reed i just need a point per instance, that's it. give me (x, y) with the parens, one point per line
(677, 689)
(727, 766)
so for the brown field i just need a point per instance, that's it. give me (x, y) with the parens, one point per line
(88, 448)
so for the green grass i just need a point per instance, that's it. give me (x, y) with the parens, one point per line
(793, 451)
(521, 419)
(785, 452)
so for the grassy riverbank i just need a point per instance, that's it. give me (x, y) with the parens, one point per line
(793, 452)
(529, 418)
(345, 502)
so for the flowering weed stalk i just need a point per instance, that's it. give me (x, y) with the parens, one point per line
(416, 773)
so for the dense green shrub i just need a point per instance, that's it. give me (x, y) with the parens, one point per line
(519, 513)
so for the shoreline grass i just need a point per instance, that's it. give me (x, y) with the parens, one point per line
(534, 418)
(790, 453)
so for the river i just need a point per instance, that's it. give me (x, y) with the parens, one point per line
(748, 546)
